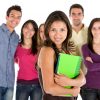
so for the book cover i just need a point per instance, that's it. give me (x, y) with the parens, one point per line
(68, 65)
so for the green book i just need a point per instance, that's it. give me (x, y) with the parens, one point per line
(68, 65)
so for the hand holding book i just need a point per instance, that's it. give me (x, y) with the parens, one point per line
(68, 67)
(62, 80)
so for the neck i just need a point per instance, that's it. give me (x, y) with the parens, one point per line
(59, 47)
(78, 28)
(27, 43)
(10, 28)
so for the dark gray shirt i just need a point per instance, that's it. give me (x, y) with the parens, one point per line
(8, 44)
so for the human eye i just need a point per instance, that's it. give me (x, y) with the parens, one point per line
(93, 28)
(19, 17)
(12, 16)
(73, 14)
(79, 14)
(62, 29)
(53, 30)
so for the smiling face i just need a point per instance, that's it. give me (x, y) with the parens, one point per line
(13, 19)
(76, 16)
(96, 30)
(28, 31)
(58, 33)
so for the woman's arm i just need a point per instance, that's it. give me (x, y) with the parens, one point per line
(90, 66)
(65, 81)
(46, 63)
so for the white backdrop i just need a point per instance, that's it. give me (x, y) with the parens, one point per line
(38, 10)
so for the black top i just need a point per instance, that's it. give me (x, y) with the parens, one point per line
(48, 96)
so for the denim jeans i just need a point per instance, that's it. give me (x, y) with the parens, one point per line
(23, 92)
(90, 94)
(6, 93)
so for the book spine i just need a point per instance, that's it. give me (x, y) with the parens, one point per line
(78, 67)
(56, 69)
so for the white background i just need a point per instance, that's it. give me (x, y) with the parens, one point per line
(38, 10)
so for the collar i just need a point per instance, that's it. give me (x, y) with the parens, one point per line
(4, 27)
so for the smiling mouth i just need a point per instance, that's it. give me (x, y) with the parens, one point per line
(57, 40)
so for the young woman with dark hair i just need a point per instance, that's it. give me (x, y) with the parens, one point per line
(58, 32)
(26, 57)
(91, 54)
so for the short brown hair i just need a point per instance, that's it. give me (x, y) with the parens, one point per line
(14, 7)
(76, 6)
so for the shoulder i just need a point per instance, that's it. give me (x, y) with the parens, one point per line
(85, 46)
(47, 51)
(18, 48)
(16, 35)
(15, 38)
(1, 29)
(85, 27)
(46, 56)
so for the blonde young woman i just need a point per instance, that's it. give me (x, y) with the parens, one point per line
(40, 35)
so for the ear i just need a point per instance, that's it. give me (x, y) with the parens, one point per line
(6, 17)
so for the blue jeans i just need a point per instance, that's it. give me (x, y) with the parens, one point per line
(6, 93)
(90, 94)
(23, 92)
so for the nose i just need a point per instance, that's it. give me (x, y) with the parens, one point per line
(58, 33)
(76, 16)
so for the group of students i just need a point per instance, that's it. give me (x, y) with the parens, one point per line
(36, 53)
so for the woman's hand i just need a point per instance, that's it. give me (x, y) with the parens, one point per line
(89, 59)
(75, 91)
(62, 80)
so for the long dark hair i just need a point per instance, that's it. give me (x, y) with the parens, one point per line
(34, 38)
(90, 36)
(57, 16)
